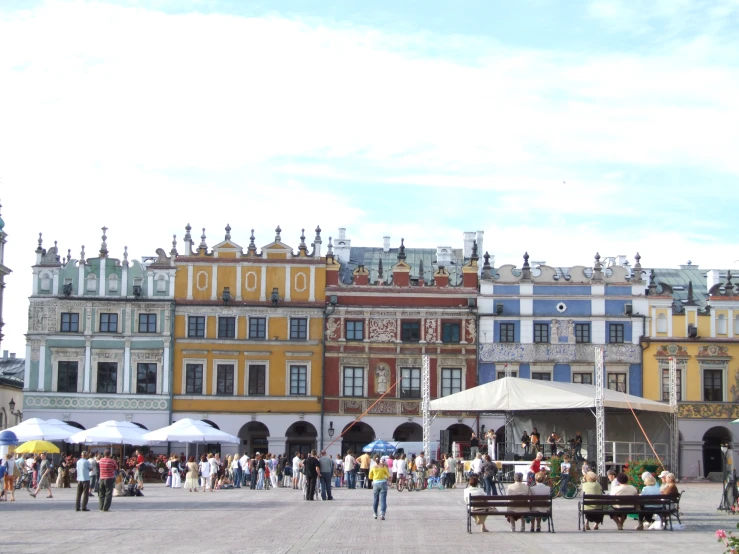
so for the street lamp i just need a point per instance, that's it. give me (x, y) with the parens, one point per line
(330, 429)
(17, 414)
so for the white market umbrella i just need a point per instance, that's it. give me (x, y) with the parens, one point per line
(112, 432)
(36, 429)
(63, 425)
(190, 430)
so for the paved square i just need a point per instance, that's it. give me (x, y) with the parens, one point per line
(279, 521)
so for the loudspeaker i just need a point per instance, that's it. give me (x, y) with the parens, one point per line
(444, 444)
(592, 446)
(509, 457)
(528, 457)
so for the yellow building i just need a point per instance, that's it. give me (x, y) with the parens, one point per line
(248, 341)
(694, 318)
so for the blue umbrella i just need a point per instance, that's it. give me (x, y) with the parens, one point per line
(380, 447)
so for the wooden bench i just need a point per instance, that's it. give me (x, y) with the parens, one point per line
(662, 505)
(529, 505)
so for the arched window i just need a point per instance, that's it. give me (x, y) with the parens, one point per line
(92, 282)
(661, 323)
(113, 283)
(162, 283)
(736, 325)
(721, 324)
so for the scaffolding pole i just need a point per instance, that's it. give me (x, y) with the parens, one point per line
(600, 416)
(509, 440)
(674, 431)
(426, 404)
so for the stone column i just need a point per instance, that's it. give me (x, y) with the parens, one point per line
(88, 367)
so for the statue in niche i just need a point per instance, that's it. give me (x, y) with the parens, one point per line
(332, 326)
(382, 376)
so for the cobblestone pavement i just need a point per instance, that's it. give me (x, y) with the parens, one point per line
(279, 521)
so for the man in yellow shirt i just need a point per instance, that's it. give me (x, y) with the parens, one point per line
(364, 467)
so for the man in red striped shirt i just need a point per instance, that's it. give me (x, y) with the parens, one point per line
(107, 468)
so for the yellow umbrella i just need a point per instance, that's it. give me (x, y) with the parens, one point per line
(36, 447)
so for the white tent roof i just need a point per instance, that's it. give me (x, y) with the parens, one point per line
(513, 394)
(111, 432)
(38, 429)
(190, 430)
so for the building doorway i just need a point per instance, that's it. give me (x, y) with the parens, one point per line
(254, 438)
(713, 458)
(356, 438)
(408, 432)
(301, 437)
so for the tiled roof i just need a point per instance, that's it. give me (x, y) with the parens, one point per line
(678, 279)
(12, 371)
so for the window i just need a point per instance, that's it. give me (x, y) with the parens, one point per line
(298, 379)
(66, 377)
(666, 384)
(113, 283)
(721, 324)
(582, 333)
(224, 379)
(108, 323)
(92, 283)
(451, 381)
(353, 381)
(196, 326)
(146, 379)
(507, 332)
(582, 378)
(450, 332)
(70, 323)
(194, 379)
(616, 333)
(355, 330)
(298, 328)
(617, 382)
(107, 378)
(541, 332)
(257, 380)
(501, 374)
(661, 323)
(541, 376)
(410, 331)
(147, 323)
(410, 383)
(713, 385)
(45, 282)
(161, 284)
(257, 327)
(226, 327)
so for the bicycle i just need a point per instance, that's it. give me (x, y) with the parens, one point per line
(569, 493)
(25, 480)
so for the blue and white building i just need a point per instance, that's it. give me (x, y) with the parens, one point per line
(544, 322)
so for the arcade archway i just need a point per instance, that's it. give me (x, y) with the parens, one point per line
(712, 455)
(356, 437)
(408, 432)
(301, 437)
(254, 437)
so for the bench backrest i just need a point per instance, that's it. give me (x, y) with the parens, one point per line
(601, 500)
(512, 501)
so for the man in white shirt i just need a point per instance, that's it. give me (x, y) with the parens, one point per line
(350, 469)
(244, 464)
(476, 465)
(296, 469)
(420, 468)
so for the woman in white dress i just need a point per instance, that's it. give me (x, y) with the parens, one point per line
(174, 466)
(204, 467)
(273, 471)
(401, 468)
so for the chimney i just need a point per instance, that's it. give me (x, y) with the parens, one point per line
(713, 277)
(469, 240)
(386, 243)
(5, 355)
(12, 355)
(342, 233)
(622, 260)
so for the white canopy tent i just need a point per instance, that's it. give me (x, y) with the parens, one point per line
(112, 432)
(39, 429)
(513, 394)
(190, 430)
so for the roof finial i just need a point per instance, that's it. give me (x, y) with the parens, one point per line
(228, 231)
(104, 245)
(125, 256)
(474, 252)
(252, 245)
(302, 247)
(729, 287)
(173, 252)
(420, 269)
(318, 234)
(40, 243)
(69, 254)
(401, 250)
(82, 255)
(526, 268)
(691, 300)
(652, 287)
(187, 237)
(487, 270)
(330, 251)
(637, 265)
(203, 245)
(379, 270)
(277, 234)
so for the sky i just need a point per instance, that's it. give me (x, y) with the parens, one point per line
(557, 128)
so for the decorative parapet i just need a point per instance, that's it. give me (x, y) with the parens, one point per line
(385, 407)
(557, 353)
(97, 402)
(698, 410)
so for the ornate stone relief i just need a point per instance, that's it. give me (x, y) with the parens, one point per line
(382, 378)
(667, 350)
(93, 402)
(713, 351)
(383, 330)
(385, 407)
(563, 329)
(333, 328)
(471, 331)
(557, 353)
(431, 330)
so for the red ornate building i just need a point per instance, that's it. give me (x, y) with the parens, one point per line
(383, 322)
